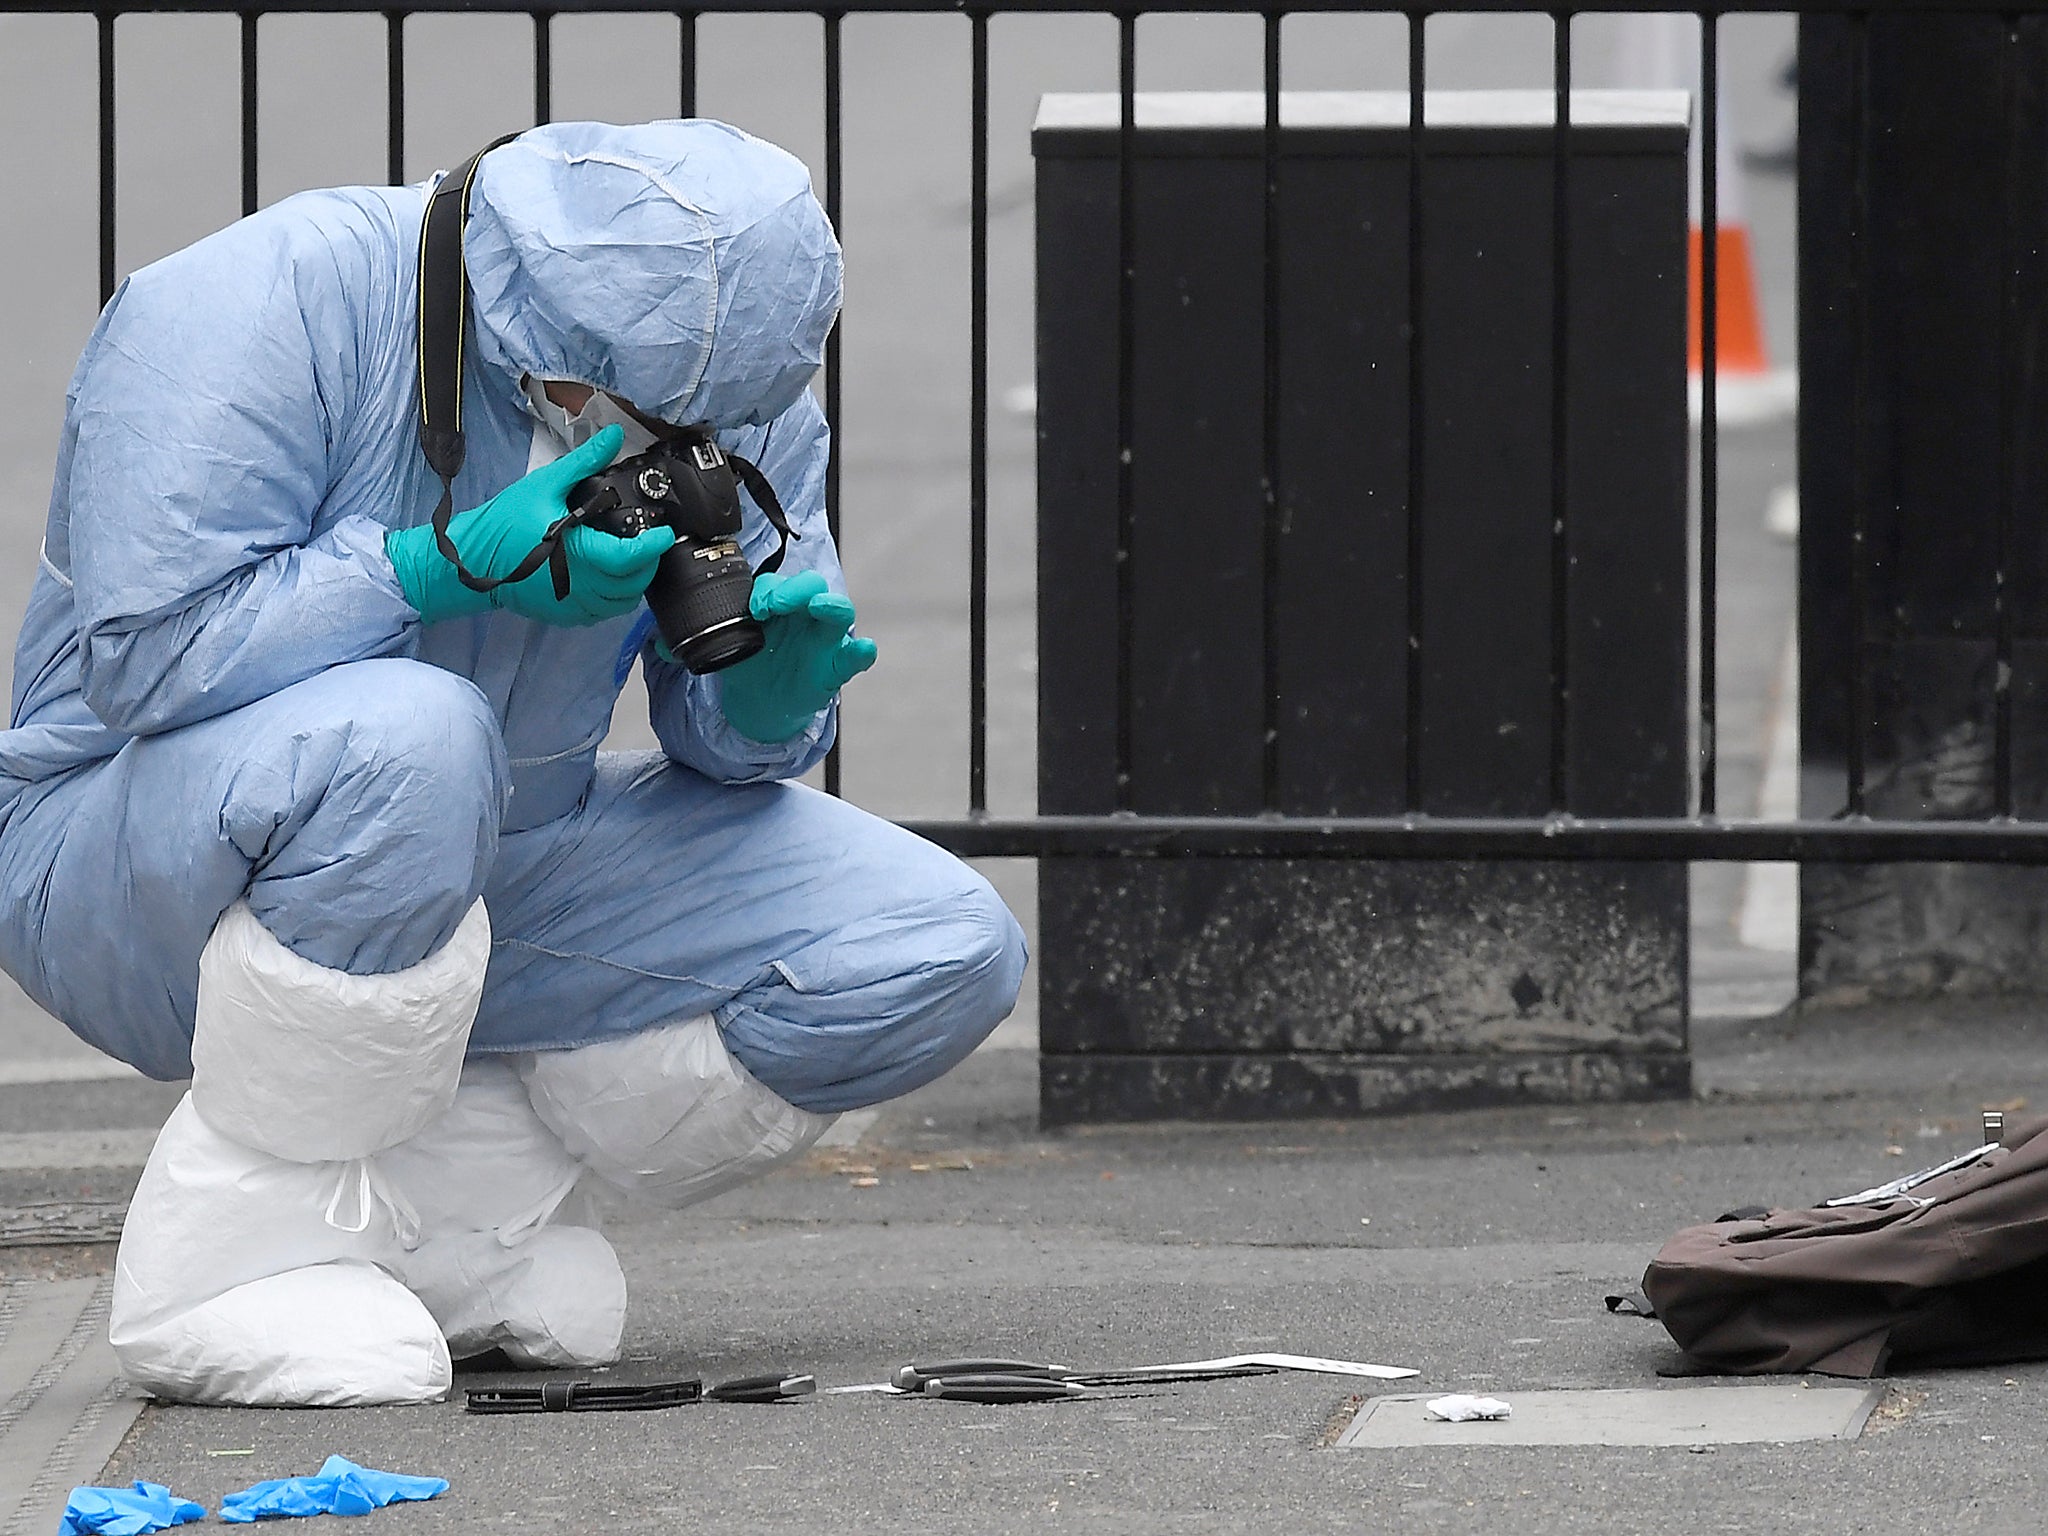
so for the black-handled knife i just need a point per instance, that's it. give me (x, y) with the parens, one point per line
(777, 1388)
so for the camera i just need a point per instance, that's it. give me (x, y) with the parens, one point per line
(700, 590)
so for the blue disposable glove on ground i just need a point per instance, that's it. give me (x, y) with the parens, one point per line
(126, 1511)
(340, 1487)
(607, 575)
(808, 657)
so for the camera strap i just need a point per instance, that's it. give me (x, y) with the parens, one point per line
(443, 332)
(756, 485)
(444, 317)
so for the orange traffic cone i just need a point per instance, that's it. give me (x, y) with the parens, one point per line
(1661, 51)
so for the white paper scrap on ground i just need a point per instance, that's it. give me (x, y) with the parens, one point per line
(1460, 1409)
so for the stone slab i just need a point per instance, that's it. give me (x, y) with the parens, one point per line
(60, 1223)
(1749, 1414)
(63, 1405)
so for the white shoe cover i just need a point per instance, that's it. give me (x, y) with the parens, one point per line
(485, 1178)
(339, 1335)
(319, 1065)
(555, 1297)
(667, 1115)
(244, 1278)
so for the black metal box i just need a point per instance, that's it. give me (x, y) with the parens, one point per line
(1219, 989)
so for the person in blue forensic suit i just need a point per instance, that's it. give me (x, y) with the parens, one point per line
(292, 809)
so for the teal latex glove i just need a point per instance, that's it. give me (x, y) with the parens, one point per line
(607, 575)
(808, 657)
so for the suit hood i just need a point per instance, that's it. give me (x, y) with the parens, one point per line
(684, 266)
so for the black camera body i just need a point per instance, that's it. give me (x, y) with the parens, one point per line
(700, 591)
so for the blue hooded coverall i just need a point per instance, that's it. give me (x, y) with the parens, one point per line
(220, 690)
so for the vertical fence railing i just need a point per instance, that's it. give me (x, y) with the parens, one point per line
(105, 22)
(1414, 835)
(1418, 418)
(1269, 400)
(977, 421)
(394, 97)
(1862, 444)
(2011, 397)
(835, 199)
(1126, 394)
(686, 63)
(543, 67)
(249, 111)
(1710, 455)
(1560, 412)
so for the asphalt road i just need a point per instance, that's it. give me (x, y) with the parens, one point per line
(1475, 1249)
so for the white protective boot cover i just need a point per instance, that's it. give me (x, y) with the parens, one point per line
(553, 1298)
(336, 1335)
(667, 1115)
(314, 1064)
(244, 1278)
(497, 1262)
(254, 1265)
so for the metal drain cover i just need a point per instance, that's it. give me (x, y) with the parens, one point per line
(1730, 1415)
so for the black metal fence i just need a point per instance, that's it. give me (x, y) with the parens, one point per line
(1851, 836)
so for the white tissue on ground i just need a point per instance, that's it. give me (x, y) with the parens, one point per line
(1458, 1408)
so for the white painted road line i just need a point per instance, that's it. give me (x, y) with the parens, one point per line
(1769, 916)
(34, 1151)
(66, 1069)
(848, 1129)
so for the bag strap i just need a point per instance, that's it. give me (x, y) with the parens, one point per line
(1630, 1304)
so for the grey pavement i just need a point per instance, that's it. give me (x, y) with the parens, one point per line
(1476, 1248)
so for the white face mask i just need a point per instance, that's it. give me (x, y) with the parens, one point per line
(573, 430)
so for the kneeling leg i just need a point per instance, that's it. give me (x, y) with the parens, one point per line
(253, 1267)
(694, 978)
(845, 961)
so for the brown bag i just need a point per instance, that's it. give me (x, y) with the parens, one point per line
(1947, 1267)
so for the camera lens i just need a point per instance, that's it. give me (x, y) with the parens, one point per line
(714, 650)
(700, 599)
